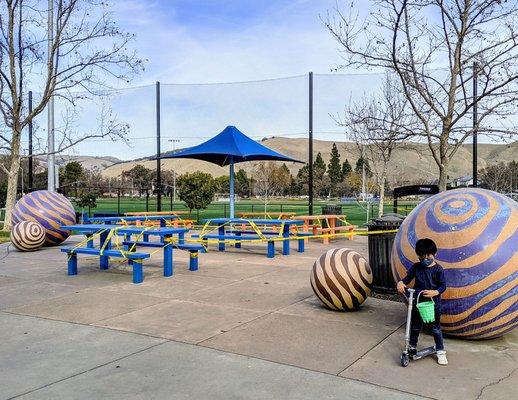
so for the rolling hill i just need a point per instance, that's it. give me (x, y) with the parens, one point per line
(410, 163)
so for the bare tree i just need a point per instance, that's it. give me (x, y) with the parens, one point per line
(497, 177)
(270, 180)
(436, 47)
(86, 53)
(378, 125)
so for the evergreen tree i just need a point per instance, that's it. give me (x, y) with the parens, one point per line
(301, 181)
(320, 180)
(222, 184)
(69, 177)
(333, 169)
(284, 178)
(72, 173)
(319, 165)
(243, 185)
(294, 189)
(346, 169)
(359, 166)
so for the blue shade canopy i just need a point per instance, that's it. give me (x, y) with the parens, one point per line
(230, 146)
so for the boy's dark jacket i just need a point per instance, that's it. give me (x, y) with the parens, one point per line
(426, 278)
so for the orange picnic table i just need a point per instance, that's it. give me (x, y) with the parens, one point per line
(144, 213)
(267, 215)
(317, 226)
(175, 222)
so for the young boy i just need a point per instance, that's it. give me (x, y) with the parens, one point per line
(429, 279)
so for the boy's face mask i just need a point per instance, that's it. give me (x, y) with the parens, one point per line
(427, 261)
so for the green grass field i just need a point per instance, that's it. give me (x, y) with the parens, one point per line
(4, 236)
(356, 213)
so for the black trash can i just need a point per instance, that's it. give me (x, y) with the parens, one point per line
(332, 209)
(380, 247)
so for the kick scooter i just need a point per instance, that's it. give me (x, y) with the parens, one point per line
(406, 356)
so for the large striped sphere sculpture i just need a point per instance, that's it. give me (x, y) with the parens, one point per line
(28, 236)
(476, 232)
(341, 279)
(50, 209)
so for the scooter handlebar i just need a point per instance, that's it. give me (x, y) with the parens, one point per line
(409, 294)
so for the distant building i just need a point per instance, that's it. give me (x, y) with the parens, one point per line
(465, 181)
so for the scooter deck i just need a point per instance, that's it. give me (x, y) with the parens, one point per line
(423, 353)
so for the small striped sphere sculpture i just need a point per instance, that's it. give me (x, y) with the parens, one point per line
(50, 209)
(476, 232)
(341, 279)
(28, 236)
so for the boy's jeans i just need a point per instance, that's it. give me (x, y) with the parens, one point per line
(417, 325)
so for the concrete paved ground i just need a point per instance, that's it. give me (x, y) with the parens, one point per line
(242, 327)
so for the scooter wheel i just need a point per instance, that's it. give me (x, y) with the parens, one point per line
(404, 359)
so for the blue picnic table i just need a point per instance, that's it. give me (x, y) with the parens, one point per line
(106, 231)
(285, 224)
(134, 218)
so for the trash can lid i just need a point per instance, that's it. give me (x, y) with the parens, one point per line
(392, 217)
(387, 219)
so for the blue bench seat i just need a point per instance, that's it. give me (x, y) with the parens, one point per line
(238, 238)
(268, 233)
(134, 259)
(193, 249)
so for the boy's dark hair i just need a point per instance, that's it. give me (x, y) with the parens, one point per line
(425, 246)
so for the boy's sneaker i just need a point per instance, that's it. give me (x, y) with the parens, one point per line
(441, 358)
(412, 351)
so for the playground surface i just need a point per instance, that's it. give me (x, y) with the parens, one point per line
(241, 327)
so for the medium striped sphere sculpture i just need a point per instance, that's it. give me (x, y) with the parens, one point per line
(476, 232)
(50, 209)
(28, 236)
(341, 279)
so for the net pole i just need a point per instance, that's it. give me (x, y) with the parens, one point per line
(51, 158)
(30, 143)
(310, 146)
(158, 160)
(475, 123)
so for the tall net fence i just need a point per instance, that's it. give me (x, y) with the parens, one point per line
(192, 113)
(116, 129)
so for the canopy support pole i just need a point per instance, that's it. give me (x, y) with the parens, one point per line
(231, 187)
